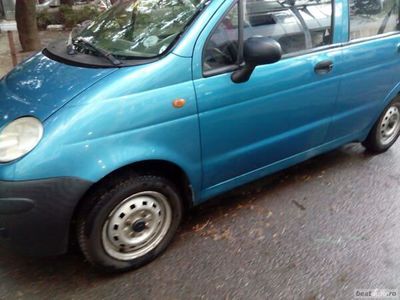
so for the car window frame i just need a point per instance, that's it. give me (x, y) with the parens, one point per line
(234, 67)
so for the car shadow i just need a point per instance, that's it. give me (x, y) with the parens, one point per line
(22, 270)
(230, 201)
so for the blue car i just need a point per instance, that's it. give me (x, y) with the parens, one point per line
(158, 105)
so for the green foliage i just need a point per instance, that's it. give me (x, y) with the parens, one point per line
(66, 15)
(71, 17)
(46, 17)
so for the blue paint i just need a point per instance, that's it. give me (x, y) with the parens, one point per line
(99, 120)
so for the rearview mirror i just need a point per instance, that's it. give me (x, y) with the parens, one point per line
(257, 51)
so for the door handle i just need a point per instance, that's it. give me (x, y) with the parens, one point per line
(323, 67)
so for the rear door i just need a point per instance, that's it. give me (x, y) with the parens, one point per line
(371, 62)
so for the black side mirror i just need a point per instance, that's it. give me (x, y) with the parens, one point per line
(257, 51)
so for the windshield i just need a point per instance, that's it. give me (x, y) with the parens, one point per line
(140, 28)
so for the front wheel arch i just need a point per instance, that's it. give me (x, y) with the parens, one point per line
(154, 167)
(125, 227)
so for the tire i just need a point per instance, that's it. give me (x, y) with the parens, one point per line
(386, 130)
(130, 223)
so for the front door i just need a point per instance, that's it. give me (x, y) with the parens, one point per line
(284, 108)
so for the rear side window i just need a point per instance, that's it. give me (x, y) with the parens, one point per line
(296, 24)
(373, 17)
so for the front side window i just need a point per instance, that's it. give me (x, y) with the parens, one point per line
(222, 47)
(296, 25)
(373, 17)
(141, 28)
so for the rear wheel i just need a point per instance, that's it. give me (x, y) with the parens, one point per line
(386, 130)
(131, 223)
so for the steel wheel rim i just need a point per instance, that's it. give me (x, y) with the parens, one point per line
(136, 225)
(390, 126)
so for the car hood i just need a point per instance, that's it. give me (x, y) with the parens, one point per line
(40, 86)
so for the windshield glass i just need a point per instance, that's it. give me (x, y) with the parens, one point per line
(140, 28)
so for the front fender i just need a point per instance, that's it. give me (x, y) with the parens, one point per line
(91, 159)
(123, 119)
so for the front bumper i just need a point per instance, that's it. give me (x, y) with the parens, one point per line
(35, 216)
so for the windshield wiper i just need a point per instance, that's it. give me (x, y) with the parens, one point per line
(98, 50)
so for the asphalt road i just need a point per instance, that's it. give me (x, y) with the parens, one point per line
(319, 230)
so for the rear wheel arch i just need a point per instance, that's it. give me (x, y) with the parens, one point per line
(385, 131)
(392, 95)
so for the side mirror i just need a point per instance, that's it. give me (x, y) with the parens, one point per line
(257, 51)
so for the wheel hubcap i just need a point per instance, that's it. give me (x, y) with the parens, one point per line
(139, 226)
(136, 225)
(390, 126)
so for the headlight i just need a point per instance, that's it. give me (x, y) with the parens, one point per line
(19, 137)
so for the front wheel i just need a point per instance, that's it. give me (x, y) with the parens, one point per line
(129, 224)
(386, 130)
